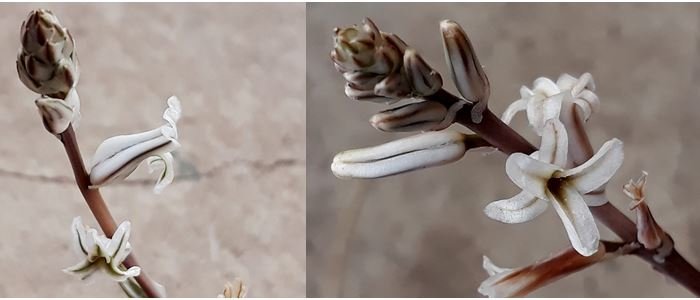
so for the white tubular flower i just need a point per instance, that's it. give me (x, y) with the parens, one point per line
(505, 282)
(544, 100)
(412, 153)
(235, 289)
(117, 157)
(544, 179)
(101, 252)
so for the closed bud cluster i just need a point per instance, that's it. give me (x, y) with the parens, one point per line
(378, 65)
(47, 63)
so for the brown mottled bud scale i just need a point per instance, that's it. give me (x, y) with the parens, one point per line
(46, 62)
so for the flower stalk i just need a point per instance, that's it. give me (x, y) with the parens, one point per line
(99, 208)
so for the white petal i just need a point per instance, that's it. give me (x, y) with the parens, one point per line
(540, 109)
(584, 82)
(596, 198)
(598, 170)
(576, 217)
(566, 82)
(165, 163)
(491, 268)
(555, 143)
(530, 174)
(173, 113)
(74, 101)
(515, 107)
(588, 102)
(83, 269)
(119, 246)
(112, 245)
(545, 86)
(80, 236)
(520, 208)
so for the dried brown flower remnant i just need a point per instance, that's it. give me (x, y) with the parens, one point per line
(235, 289)
(374, 65)
(649, 233)
(47, 63)
(504, 282)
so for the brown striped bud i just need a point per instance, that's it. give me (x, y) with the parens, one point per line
(466, 71)
(417, 116)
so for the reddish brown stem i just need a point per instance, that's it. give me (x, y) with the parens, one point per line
(503, 137)
(491, 128)
(98, 207)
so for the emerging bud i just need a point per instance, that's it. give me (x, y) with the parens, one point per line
(57, 114)
(101, 252)
(47, 63)
(373, 64)
(504, 282)
(420, 151)
(235, 289)
(117, 157)
(466, 71)
(649, 233)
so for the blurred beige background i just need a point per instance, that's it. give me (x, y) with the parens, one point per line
(423, 233)
(237, 205)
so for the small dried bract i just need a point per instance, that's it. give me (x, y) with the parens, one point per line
(235, 289)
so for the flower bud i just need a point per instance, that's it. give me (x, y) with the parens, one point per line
(466, 71)
(417, 116)
(423, 79)
(420, 151)
(55, 113)
(47, 63)
(362, 48)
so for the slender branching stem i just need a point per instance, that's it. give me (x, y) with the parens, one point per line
(508, 141)
(98, 207)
